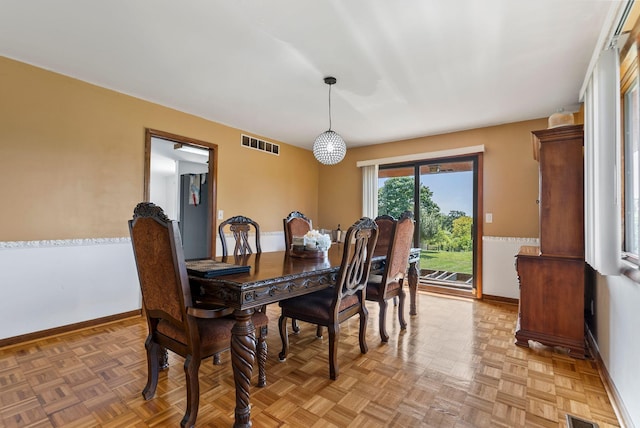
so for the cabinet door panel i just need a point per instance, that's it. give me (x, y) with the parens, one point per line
(561, 193)
(552, 300)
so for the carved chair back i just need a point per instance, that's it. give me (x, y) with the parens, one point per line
(240, 227)
(359, 244)
(295, 224)
(398, 252)
(161, 268)
(385, 223)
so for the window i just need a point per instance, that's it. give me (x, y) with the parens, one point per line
(630, 150)
(631, 175)
(611, 96)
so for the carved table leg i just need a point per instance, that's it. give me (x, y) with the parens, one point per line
(413, 286)
(243, 354)
(262, 357)
(163, 359)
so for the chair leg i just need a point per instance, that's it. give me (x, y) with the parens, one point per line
(334, 333)
(216, 359)
(319, 332)
(395, 301)
(282, 326)
(153, 366)
(362, 335)
(403, 323)
(294, 326)
(382, 320)
(191, 367)
(262, 356)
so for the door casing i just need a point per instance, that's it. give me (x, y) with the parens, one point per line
(212, 172)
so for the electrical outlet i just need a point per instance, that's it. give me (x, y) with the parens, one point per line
(220, 214)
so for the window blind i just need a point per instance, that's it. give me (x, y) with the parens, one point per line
(602, 142)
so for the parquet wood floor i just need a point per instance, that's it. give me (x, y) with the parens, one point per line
(455, 366)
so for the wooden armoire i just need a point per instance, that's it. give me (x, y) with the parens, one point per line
(552, 275)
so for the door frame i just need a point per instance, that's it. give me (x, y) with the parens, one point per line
(212, 165)
(476, 229)
(478, 209)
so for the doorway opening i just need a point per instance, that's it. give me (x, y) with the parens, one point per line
(444, 197)
(180, 177)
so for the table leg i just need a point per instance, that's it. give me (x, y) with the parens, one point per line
(243, 354)
(413, 286)
(163, 359)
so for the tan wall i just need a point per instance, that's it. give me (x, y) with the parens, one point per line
(72, 160)
(510, 176)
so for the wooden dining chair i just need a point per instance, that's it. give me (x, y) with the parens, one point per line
(385, 223)
(240, 226)
(174, 320)
(295, 224)
(332, 306)
(389, 284)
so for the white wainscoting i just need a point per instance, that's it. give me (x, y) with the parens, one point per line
(49, 284)
(499, 277)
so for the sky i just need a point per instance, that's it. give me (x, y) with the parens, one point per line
(452, 191)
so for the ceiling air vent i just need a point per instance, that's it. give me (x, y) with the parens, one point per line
(258, 144)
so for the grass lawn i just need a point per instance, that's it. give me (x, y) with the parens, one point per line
(450, 261)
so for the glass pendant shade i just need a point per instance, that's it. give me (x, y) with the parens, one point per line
(329, 148)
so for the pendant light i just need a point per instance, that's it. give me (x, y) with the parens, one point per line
(329, 147)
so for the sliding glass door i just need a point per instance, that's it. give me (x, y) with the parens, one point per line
(442, 194)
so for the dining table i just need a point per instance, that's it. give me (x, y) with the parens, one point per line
(272, 277)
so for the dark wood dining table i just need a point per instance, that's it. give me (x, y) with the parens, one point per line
(273, 276)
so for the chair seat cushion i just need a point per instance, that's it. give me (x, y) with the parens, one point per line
(211, 330)
(374, 285)
(315, 306)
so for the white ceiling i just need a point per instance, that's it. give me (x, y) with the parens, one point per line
(405, 68)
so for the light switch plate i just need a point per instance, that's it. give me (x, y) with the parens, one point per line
(488, 218)
(220, 214)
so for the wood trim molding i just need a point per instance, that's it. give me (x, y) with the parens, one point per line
(213, 173)
(21, 339)
(56, 243)
(471, 150)
(500, 299)
(479, 225)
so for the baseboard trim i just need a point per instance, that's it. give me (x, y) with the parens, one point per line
(500, 299)
(445, 291)
(614, 397)
(29, 337)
